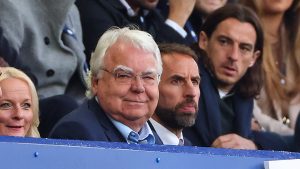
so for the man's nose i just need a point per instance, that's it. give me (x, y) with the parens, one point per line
(137, 85)
(234, 53)
(191, 90)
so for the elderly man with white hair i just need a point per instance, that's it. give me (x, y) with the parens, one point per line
(123, 91)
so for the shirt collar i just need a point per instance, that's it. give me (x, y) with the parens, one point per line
(130, 11)
(224, 94)
(166, 136)
(144, 134)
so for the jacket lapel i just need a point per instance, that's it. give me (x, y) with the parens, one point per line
(209, 117)
(157, 138)
(113, 135)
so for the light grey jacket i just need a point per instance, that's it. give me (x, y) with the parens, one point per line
(47, 36)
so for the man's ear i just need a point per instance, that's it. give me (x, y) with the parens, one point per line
(203, 40)
(94, 84)
(256, 54)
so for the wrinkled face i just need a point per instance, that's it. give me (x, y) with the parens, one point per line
(148, 4)
(208, 6)
(128, 86)
(178, 91)
(16, 114)
(230, 50)
(276, 6)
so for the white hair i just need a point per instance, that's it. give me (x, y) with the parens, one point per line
(139, 39)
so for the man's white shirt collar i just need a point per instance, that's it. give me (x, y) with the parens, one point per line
(145, 132)
(130, 11)
(166, 136)
(172, 24)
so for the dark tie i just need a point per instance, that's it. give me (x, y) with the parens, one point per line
(189, 28)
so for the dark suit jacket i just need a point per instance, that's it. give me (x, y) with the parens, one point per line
(99, 15)
(208, 123)
(297, 135)
(88, 122)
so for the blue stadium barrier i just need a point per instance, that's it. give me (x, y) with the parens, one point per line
(33, 153)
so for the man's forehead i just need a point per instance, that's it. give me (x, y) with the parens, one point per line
(232, 23)
(183, 75)
(236, 30)
(179, 64)
(123, 52)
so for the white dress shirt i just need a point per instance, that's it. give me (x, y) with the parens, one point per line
(166, 136)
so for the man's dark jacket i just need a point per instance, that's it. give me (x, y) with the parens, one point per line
(89, 122)
(208, 123)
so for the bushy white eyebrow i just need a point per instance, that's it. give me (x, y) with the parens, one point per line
(128, 69)
(124, 68)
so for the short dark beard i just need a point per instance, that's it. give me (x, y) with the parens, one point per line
(174, 119)
(211, 69)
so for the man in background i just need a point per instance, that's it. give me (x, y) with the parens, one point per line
(231, 45)
(99, 15)
(178, 94)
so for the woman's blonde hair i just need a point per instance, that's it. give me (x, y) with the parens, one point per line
(10, 72)
(290, 46)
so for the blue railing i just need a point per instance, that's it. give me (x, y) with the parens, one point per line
(32, 153)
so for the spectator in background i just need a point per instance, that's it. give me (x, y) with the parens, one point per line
(201, 10)
(9, 57)
(99, 15)
(45, 38)
(231, 42)
(18, 104)
(279, 102)
(231, 46)
(125, 70)
(178, 94)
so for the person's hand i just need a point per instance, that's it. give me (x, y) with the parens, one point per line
(180, 10)
(233, 141)
(3, 63)
(255, 125)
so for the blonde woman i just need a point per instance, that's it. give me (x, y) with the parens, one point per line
(278, 106)
(18, 104)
